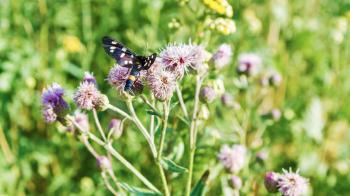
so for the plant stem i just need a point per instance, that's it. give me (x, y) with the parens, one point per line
(121, 112)
(193, 133)
(119, 157)
(145, 100)
(139, 125)
(182, 103)
(151, 131)
(108, 185)
(98, 124)
(161, 145)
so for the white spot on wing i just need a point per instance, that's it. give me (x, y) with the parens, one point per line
(113, 42)
(124, 49)
(112, 47)
(122, 55)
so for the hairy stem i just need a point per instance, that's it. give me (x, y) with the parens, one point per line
(193, 132)
(182, 103)
(161, 145)
(139, 125)
(98, 124)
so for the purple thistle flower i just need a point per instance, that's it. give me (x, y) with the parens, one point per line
(233, 158)
(104, 163)
(292, 184)
(236, 182)
(89, 77)
(88, 97)
(118, 75)
(207, 94)
(248, 64)
(271, 182)
(222, 56)
(198, 56)
(161, 82)
(114, 126)
(54, 106)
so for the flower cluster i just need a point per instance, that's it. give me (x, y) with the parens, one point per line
(288, 183)
(219, 6)
(233, 158)
(225, 26)
(54, 106)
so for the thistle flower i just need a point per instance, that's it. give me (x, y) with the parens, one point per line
(207, 94)
(118, 75)
(248, 64)
(198, 57)
(271, 182)
(236, 182)
(104, 163)
(88, 97)
(176, 58)
(222, 56)
(233, 158)
(89, 77)
(220, 6)
(54, 106)
(161, 82)
(292, 184)
(114, 127)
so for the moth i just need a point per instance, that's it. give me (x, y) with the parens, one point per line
(127, 58)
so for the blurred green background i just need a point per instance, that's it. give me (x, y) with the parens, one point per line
(44, 41)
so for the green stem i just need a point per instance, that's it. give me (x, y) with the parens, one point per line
(98, 124)
(119, 111)
(182, 103)
(139, 125)
(108, 185)
(161, 146)
(193, 133)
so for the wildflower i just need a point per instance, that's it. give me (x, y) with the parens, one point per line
(104, 163)
(198, 56)
(88, 77)
(88, 97)
(292, 184)
(219, 6)
(82, 120)
(275, 79)
(174, 24)
(207, 94)
(115, 127)
(248, 64)
(261, 156)
(223, 25)
(161, 82)
(118, 75)
(54, 106)
(233, 158)
(236, 182)
(227, 100)
(222, 56)
(176, 58)
(72, 44)
(271, 182)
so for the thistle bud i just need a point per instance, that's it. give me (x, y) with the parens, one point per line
(236, 182)
(114, 127)
(271, 182)
(104, 163)
(207, 94)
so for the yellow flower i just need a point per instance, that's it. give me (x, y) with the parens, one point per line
(219, 6)
(223, 25)
(72, 44)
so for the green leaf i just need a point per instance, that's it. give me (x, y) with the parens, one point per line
(152, 112)
(138, 191)
(171, 166)
(199, 187)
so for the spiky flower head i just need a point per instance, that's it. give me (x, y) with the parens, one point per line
(222, 56)
(115, 127)
(53, 104)
(104, 163)
(292, 184)
(236, 182)
(161, 81)
(233, 158)
(271, 182)
(199, 56)
(118, 76)
(89, 77)
(248, 64)
(207, 94)
(88, 97)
